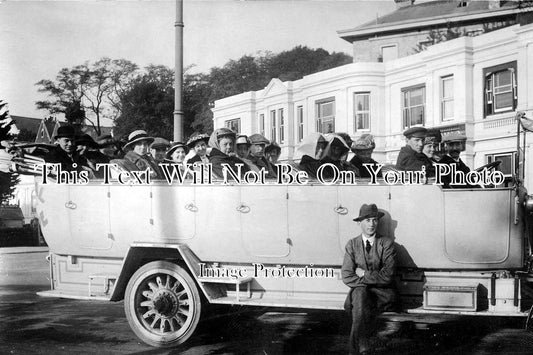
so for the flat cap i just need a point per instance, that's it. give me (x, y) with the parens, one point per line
(417, 132)
(159, 143)
(454, 137)
(258, 139)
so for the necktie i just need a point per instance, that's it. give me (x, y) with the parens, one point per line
(368, 247)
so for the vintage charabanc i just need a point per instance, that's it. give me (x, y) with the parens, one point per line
(167, 248)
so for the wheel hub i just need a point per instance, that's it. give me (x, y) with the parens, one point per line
(165, 303)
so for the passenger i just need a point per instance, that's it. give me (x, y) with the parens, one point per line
(158, 149)
(368, 269)
(349, 142)
(223, 143)
(363, 148)
(176, 153)
(335, 152)
(272, 153)
(431, 142)
(65, 153)
(257, 155)
(243, 151)
(411, 157)
(139, 142)
(109, 146)
(454, 145)
(311, 151)
(88, 148)
(197, 143)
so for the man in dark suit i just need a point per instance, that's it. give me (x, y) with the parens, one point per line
(368, 269)
(454, 144)
(65, 153)
(411, 157)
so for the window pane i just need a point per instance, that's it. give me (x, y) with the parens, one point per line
(447, 109)
(327, 109)
(417, 115)
(447, 87)
(417, 97)
(502, 101)
(506, 165)
(502, 78)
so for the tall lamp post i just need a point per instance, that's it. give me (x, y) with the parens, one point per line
(178, 74)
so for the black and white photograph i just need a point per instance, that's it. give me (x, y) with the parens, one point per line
(266, 177)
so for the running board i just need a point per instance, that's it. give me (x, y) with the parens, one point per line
(421, 310)
(72, 295)
(282, 302)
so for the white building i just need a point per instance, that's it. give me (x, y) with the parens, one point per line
(472, 85)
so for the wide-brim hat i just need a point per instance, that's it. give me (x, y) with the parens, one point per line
(65, 132)
(258, 139)
(175, 146)
(87, 140)
(369, 211)
(417, 132)
(138, 136)
(159, 143)
(197, 137)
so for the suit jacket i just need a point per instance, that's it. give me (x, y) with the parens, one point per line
(459, 166)
(379, 271)
(410, 160)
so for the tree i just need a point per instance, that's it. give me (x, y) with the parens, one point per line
(95, 88)
(8, 130)
(148, 104)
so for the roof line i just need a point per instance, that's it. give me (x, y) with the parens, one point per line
(428, 22)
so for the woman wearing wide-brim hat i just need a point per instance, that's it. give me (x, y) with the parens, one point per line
(138, 146)
(198, 143)
(176, 153)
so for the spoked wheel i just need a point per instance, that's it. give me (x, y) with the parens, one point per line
(162, 304)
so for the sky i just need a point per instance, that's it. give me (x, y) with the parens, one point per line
(39, 38)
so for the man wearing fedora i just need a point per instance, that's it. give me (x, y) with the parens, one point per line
(64, 153)
(411, 157)
(368, 269)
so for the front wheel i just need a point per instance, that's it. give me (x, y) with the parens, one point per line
(162, 304)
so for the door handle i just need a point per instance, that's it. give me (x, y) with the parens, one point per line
(70, 205)
(191, 207)
(243, 209)
(340, 210)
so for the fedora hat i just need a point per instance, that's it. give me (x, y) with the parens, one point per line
(197, 137)
(65, 132)
(368, 211)
(138, 136)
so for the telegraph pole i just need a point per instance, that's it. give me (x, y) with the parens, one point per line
(178, 74)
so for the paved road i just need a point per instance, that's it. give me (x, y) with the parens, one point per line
(34, 325)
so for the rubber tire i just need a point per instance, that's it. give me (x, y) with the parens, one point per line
(138, 283)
